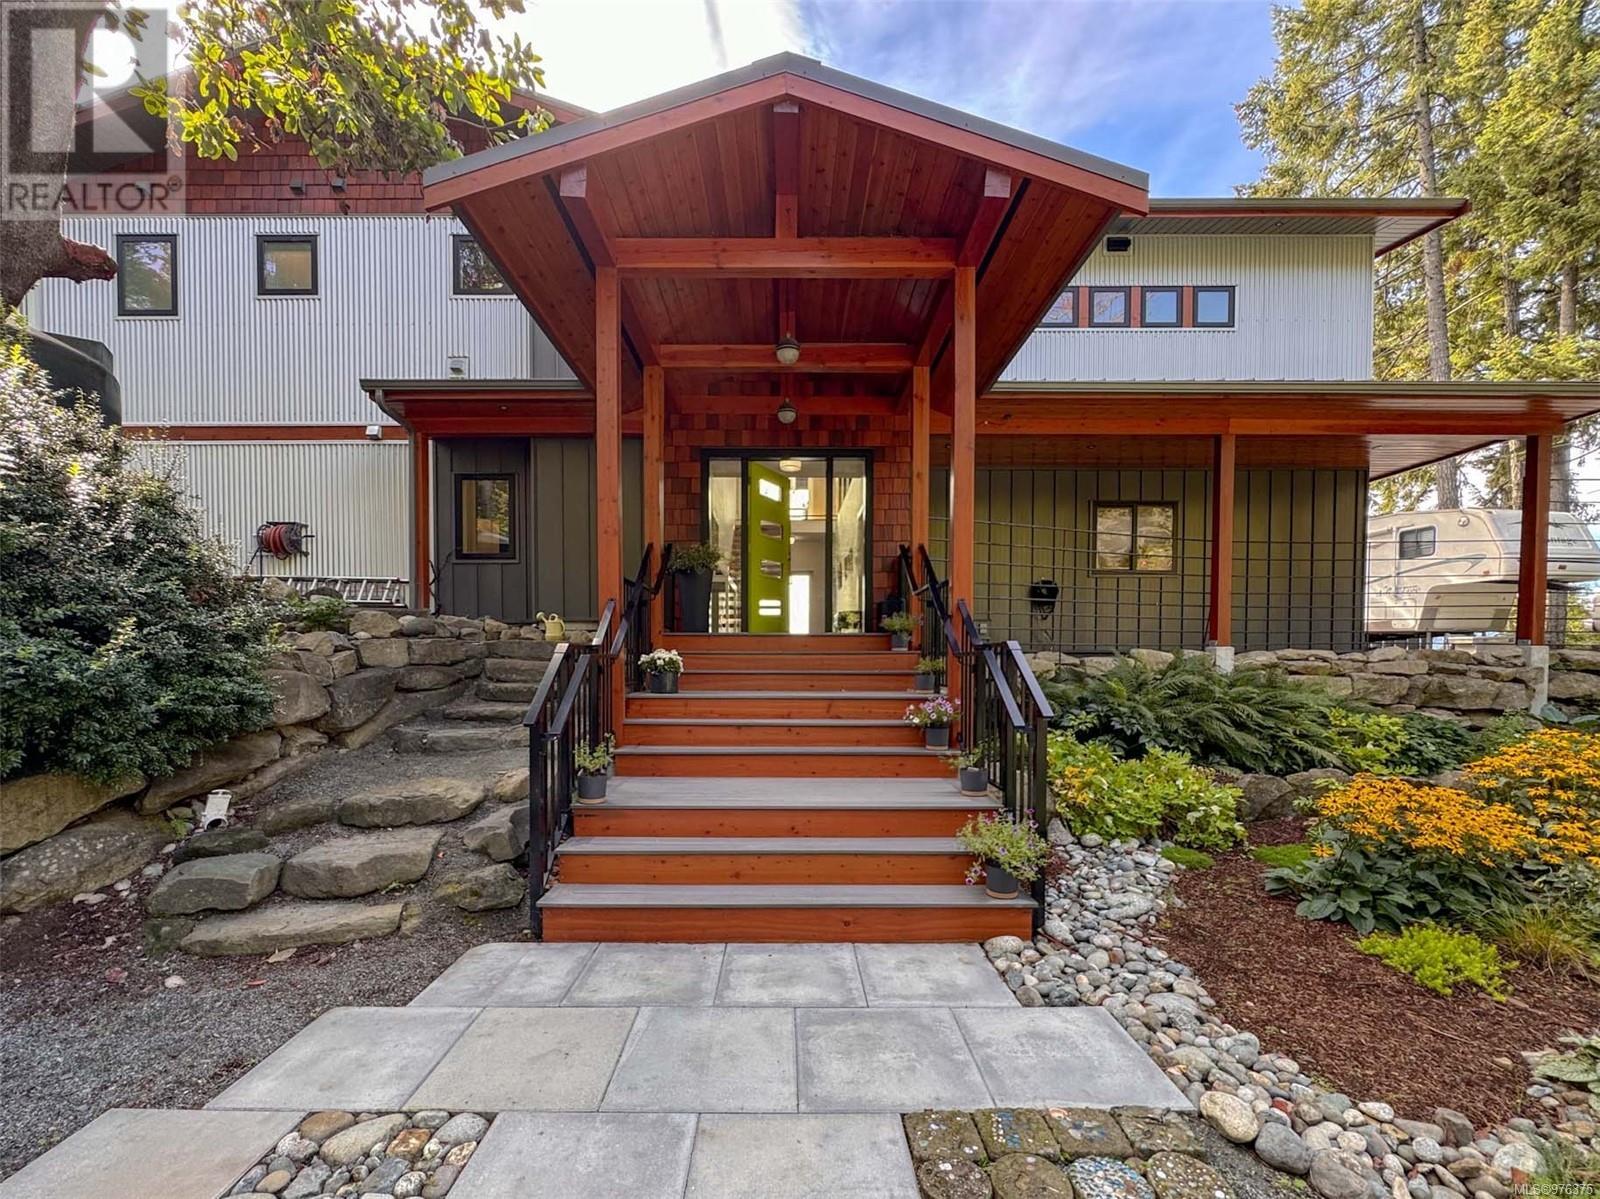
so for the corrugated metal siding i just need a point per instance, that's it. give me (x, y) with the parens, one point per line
(231, 357)
(1304, 311)
(1299, 540)
(352, 494)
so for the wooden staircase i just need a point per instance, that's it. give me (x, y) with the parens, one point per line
(779, 796)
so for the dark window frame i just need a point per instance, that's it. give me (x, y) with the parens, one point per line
(457, 288)
(1133, 568)
(1127, 309)
(1233, 306)
(263, 240)
(1077, 316)
(1177, 307)
(122, 307)
(1429, 551)
(513, 547)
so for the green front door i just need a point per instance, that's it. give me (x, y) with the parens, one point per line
(766, 546)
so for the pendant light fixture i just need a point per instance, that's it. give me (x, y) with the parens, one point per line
(787, 350)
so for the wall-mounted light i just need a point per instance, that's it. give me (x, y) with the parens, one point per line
(790, 466)
(787, 350)
(786, 413)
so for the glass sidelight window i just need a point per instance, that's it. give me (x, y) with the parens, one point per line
(485, 517)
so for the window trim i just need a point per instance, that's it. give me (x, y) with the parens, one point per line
(456, 286)
(1132, 569)
(1127, 309)
(1233, 306)
(1076, 321)
(514, 547)
(263, 240)
(1400, 543)
(1177, 307)
(122, 309)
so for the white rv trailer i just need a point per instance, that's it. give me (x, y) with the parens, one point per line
(1454, 571)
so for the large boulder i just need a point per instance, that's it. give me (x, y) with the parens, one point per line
(1382, 689)
(225, 763)
(1265, 797)
(401, 708)
(41, 805)
(484, 889)
(220, 842)
(227, 884)
(533, 651)
(436, 651)
(502, 834)
(390, 653)
(514, 670)
(86, 856)
(351, 866)
(510, 787)
(432, 800)
(1459, 693)
(1574, 684)
(427, 678)
(289, 814)
(374, 622)
(296, 698)
(356, 698)
(283, 925)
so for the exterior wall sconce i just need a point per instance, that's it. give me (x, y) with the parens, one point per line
(787, 350)
(786, 413)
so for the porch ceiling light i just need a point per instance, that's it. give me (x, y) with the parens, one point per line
(787, 350)
(790, 466)
(786, 413)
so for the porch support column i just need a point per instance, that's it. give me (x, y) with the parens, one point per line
(1533, 564)
(655, 516)
(963, 447)
(1219, 613)
(920, 419)
(608, 456)
(421, 522)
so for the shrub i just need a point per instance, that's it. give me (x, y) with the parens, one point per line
(317, 611)
(1367, 741)
(1014, 847)
(126, 640)
(898, 622)
(1557, 936)
(1441, 959)
(1431, 744)
(1281, 856)
(1254, 720)
(1552, 777)
(594, 759)
(1189, 859)
(1160, 795)
(686, 559)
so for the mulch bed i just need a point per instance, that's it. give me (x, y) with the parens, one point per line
(1350, 1021)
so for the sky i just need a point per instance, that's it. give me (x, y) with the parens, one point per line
(1148, 83)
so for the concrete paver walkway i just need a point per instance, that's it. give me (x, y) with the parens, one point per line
(656, 1070)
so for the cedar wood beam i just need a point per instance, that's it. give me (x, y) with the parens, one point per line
(863, 357)
(792, 258)
(1219, 609)
(608, 459)
(580, 197)
(992, 208)
(767, 405)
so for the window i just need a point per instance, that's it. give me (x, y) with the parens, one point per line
(1213, 308)
(286, 266)
(1159, 307)
(1418, 543)
(472, 274)
(1119, 245)
(1136, 538)
(147, 274)
(1108, 306)
(1064, 312)
(485, 517)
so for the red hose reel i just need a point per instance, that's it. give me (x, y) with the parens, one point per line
(282, 538)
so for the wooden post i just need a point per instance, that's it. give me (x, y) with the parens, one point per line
(1219, 613)
(608, 458)
(920, 419)
(963, 448)
(655, 517)
(1533, 563)
(421, 517)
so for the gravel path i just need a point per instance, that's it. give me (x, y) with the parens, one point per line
(91, 1023)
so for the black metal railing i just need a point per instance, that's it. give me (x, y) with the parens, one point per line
(640, 594)
(1004, 714)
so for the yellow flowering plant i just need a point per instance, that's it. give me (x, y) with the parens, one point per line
(1551, 777)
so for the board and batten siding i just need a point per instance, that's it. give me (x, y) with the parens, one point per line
(1299, 544)
(553, 526)
(1303, 311)
(353, 495)
(384, 310)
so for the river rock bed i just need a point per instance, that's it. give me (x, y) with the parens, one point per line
(397, 1155)
(1103, 898)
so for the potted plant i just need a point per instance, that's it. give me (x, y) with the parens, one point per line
(593, 763)
(1011, 853)
(691, 569)
(929, 671)
(898, 625)
(934, 717)
(661, 670)
(971, 775)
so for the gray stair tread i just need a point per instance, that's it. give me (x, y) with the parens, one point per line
(780, 793)
(788, 751)
(764, 845)
(800, 667)
(779, 694)
(644, 895)
(776, 722)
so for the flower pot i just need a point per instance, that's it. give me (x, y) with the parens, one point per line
(591, 788)
(974, 780)
(694, 601)
(662, 683)
(924, 682)
(936, 738)
(998, 882)
(899, 640)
